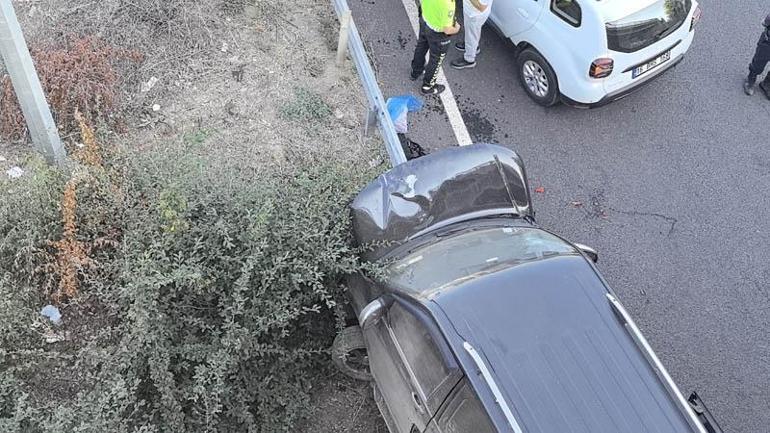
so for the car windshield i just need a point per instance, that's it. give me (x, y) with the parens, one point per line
(647, 26)
(471, 254)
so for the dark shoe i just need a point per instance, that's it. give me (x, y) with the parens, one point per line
(765, 86)
(415, 75)
(460, 46)
(436, 89)
(462, 64)
(748, 87)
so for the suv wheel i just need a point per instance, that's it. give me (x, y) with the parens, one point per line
(349, 354)
(537, 78)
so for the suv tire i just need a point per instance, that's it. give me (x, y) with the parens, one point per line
(349, 354)
(538, 78)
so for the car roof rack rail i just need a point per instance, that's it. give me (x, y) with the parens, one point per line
(493, 386)
(660, 370)
(704, 414)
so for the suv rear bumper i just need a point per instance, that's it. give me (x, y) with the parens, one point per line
(625, 91)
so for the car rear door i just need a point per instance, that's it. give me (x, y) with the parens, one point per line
(462, 412)
(412, 365)
(516, 16)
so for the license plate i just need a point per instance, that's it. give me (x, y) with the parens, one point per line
(657, 61)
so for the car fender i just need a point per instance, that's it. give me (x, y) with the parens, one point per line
(571, 61)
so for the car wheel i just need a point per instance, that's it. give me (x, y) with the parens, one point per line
(538, 78)
(349, 354)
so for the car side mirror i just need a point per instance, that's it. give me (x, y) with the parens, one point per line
(372, 312)
(588, 251)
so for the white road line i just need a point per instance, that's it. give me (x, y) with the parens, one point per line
(447, 97)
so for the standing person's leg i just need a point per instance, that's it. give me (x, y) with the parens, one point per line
(469, 24)
(439, 43)
(761, 59)
(756, 67)
(473, 27)
(460, 45)
(418, 61)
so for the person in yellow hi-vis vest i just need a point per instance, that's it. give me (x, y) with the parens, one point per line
(437, 23)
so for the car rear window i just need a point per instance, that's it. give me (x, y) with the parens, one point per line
(568, 10)
(470, 254)
(647, 26)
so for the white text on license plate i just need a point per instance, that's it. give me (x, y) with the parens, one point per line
(639, 70)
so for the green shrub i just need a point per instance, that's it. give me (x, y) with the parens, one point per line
(210, 309)
(307, 106)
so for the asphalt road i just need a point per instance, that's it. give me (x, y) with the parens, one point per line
(671, 185)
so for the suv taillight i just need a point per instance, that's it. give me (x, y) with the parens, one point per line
(601, 68)
(695, 17)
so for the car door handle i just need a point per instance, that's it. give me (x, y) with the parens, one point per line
(523, 12)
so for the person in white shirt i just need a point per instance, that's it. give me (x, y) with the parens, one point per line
(475, 14)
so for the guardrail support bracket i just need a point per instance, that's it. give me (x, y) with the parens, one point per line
(370, 122)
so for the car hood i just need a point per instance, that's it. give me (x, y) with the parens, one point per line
(451, 185)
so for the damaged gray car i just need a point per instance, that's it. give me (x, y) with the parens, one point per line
(485, 322)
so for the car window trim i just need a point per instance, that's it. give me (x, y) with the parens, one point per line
(431, 402)
(565, 16)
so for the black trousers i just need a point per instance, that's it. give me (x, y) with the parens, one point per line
(761, 59)
(435, 42)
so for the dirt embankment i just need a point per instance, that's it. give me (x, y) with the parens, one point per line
(236, 78)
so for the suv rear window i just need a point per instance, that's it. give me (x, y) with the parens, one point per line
(471, 254)
(647, 26)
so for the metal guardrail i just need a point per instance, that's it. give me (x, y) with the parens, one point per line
(377, 107)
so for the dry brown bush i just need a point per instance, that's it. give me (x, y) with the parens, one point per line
(77, 77)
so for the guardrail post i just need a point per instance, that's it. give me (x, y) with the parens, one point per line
(372, 90)
(26, 84)
(342, 44)
(370, 121)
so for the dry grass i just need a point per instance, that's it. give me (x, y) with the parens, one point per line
(180, 39)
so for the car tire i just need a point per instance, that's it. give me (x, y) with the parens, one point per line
(538, 78)
(349, 354)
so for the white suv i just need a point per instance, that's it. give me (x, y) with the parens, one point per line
(587, 53)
